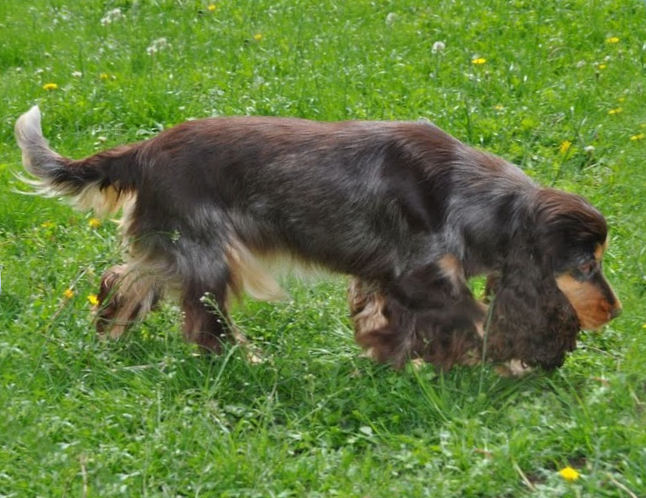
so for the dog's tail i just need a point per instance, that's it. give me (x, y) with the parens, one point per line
(101, 182)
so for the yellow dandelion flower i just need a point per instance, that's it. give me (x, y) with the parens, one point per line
(68, 294)
(479, 61)
(257, 36)
(499, 107)
(93, 299)
(104, 76)
(569, 474)
(602, 66)
(621, 99)
(50, 86)
(47, 224)
(617, 110)
(211, 7)
(612, 39)
(639, 136)
(565, 146)
(94, 222)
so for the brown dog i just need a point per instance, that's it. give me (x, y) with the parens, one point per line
(405, 208)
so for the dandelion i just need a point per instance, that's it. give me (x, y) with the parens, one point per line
(612, 40)
(50, 86)
(616, 110)
(77, 74)
(104, 76)
(565, 147)
(156, 46)
(211, 7)
(111, 16)
(601, 66)
(589, 149)
(94, 222)
(257, 36)
(639, 136)
(569, 474)
(479, 61)
(93, 299)
(438, 47)
(47, 224)
(391, 18)
(68, 294)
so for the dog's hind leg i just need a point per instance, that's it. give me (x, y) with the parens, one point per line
(127, 293)
(206, 318)
(206, 283)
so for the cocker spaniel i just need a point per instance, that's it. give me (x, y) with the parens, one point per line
(408, 211)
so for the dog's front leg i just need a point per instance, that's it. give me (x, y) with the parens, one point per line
(429, 313)
(430, 286)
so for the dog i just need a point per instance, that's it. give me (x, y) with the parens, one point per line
(407, 210)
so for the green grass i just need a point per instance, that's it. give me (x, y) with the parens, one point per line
(146, 416)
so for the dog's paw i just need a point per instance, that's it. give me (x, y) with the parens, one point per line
(513, 368)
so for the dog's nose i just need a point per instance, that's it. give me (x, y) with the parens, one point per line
(616, 311)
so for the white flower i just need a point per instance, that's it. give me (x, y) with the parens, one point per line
(589, 149)
(77, 74)
(156, 46)
(111, 16)
(438, 47)
(391, 18)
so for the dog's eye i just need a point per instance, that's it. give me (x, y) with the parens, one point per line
(588, 268)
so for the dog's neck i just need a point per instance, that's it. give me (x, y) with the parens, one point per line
(488, 237)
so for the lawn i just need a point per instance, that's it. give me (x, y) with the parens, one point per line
(558, 87)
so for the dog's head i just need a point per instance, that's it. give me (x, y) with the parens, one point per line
(552, 283)
(574, 239)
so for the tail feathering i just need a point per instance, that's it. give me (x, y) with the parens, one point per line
(86, 181)
(37, 157)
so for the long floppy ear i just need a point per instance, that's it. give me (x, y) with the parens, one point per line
(532, 320)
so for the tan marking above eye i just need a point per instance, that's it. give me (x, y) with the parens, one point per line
(600, 250)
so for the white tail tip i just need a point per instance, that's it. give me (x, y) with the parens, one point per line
(28, 123)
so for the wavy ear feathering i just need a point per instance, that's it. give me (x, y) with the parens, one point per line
(532, 321)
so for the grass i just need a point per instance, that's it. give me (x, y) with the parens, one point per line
(145, 416)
